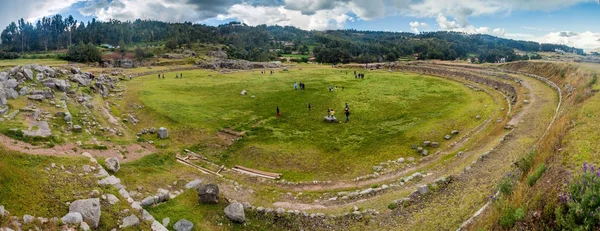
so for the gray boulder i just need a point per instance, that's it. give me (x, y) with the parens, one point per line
(77, 128)
(163, 133)
(49, 83)
(193, 184)
(39, 76)
(28, 218)
(183, 225)
(68, 117)
(157, 226)
(110, 180)
(147, 201)
(162, 196)
(11, 83)
(24, 91)
(72, 218)
(89, 209)
(3, 76)
(235, 212)
(130, 221)
(62, 85)
(2, 211)
(112, 199)
(166, 221)
(81, 80)
(28, 73)
(208, 194)
(10, 93)
(146, 216)
(423, 189)
(112, 164)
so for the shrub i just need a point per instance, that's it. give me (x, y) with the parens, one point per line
(392, 206)
(509, 216)
(594, 80)
(526, 162)
(507, 184)
(579, 207)
(84, 53)
(532, 179)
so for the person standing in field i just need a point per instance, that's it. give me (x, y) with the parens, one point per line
(295, 86)
(347, 113)
(181, 75)
(309, 106)
(278, 112)
(331, 113)
(347, 106)
(158, 76)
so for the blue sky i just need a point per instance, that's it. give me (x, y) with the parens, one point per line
(535, 20)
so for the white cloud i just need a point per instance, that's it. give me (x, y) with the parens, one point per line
(271, 15)
(31, 10)
(448, 25)
(417, 24)
(586, 40)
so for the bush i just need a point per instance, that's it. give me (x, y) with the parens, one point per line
(526, 162)
(579, 207)
(84, 53)
(8, 55)
(507, 184)
(392, 206)
(509, 216)
(532, 179)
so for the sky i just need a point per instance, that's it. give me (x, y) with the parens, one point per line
(570, 22)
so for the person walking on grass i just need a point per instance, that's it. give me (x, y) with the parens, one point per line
(347, 113)
(278, 112)
(347, 106)
(181, 75)
(309, 106)
(331, 113)
(158, 76)
(295, 86)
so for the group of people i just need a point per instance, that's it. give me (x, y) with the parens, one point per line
(300, 86)
(331, 112)
(177, 76)
(332, 88)
(270, 71)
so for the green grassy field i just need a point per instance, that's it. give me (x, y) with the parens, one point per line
(389, 112)
(16, 62)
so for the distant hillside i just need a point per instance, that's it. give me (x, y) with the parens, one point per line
(264, 43)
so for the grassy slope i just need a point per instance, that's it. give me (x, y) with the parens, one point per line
(387, 116)
(16, 62)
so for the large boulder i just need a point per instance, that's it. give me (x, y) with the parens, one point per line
(162, 196)
(235, 212)
(28, 73)
(163, 133)
(109, 180)
(3, 76)
(147, 201)
(112, 164)
(49, 83)
(81, 79)
(157, 226)
(72, 218)
(193, 184)
(10, 93)
(183, 225)
(24, 91)
(11, 83)
(208, 193)
(89, 209)
(62, 85)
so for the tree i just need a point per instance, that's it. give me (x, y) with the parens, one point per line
(171, 44)
(391, 57)
(304, 49)
(140, 54)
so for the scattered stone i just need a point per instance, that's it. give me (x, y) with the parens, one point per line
(72, 218)
(208, 194)
(147, 201)
(84, 226)
(89, 210)
(193, 184)
(426, 143)
(166, 221)
(77, 128)
(110, 180)
(410, 159)
(131, 220)
(377, 168)
(183, 225)
(447, 137)
(156, 226)
(235, 212)
(94, 193)
(423, 189)
(146, 216)
(2, 211)
(478, 117)
(419, 149)
(435, 144)
(112, 164)
(112, 199)
(87, 168)
(454, 132)
(425, 152)
(163, 133)
(401, 160)
(244, 92)
(28, 218)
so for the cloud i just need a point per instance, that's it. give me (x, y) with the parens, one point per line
(414, 26)
(279, 15)
(586, 40)
(31, 10)
(448, 25)
(163, 10)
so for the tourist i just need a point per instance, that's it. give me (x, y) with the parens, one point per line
(295, 86)
(163, 75)
(181, 75)
(347, 106)
(329, 112)
(177, 76)
(342, 88)
(309, 106)
(278, 111)
(158, 76)
(130, 77)
(347, 113)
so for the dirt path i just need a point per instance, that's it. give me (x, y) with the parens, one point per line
(132, 151)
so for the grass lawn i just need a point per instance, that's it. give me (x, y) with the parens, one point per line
(17, 62)
(296, 56)
(389, 112)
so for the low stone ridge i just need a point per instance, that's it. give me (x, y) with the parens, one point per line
(193, 184)
(208, 194)
(89, 210)
(235, 212)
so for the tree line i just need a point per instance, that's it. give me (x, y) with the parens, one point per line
(262, 43)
